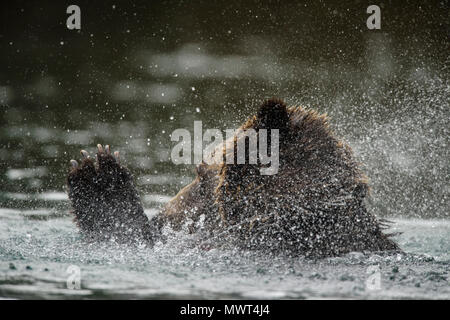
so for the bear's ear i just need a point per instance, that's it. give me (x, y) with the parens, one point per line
(201, 170)
(272, 114)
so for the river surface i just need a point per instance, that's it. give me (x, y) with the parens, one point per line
(39, 250)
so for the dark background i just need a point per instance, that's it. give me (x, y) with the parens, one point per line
(136, 71)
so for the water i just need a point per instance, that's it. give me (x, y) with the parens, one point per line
(37, 247)
(132, 77)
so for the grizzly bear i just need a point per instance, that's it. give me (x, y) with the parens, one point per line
(313, 206)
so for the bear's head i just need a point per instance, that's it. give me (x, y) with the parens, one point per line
(312, 203)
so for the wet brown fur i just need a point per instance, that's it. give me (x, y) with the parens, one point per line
(313, 206)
